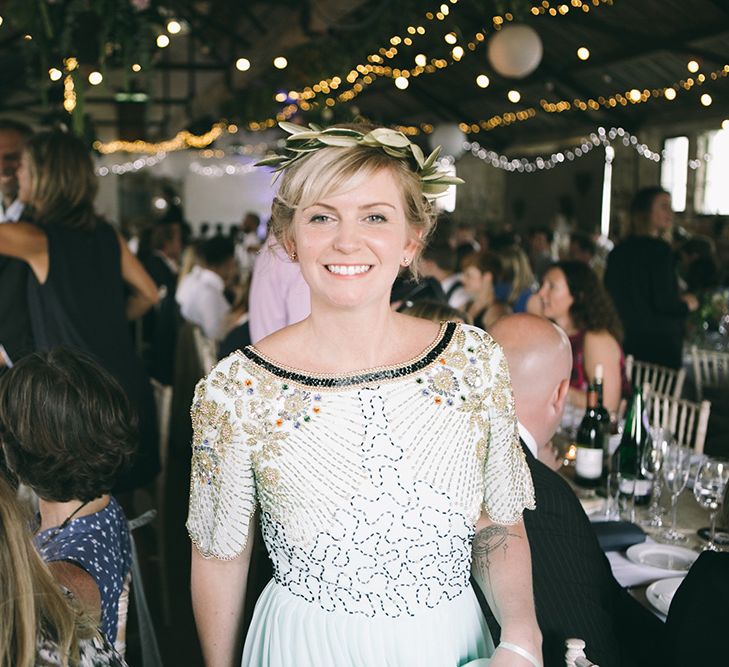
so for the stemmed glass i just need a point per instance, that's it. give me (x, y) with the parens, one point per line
(711, 481)
(651, 463)
(676, 466)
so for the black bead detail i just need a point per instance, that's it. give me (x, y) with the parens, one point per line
(380, 375)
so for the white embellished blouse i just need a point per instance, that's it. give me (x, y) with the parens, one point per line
(370, 483)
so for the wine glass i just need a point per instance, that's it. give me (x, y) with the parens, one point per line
(676, 466)
(651, 462)
(711, 482)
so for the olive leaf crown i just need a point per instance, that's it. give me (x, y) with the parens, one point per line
(302, 141)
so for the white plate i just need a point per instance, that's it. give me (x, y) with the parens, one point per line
(660, 593)
(662, 556)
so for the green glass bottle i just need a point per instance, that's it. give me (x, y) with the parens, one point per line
(590, 441)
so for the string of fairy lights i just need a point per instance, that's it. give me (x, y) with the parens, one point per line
(634, 96)
(365, 73)
(602, 137)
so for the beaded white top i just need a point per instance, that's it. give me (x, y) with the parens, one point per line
(370, 484)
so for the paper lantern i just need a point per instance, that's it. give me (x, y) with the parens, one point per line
(515, 51)
(450, 138)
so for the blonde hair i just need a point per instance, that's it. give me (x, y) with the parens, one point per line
(334, 170)
(63, 182)
(515, 269)
(32, 604)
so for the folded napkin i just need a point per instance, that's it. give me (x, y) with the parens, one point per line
(618, 535)
(631, 574)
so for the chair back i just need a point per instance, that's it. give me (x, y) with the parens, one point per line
(163, 401)
(687, 420)
(711, 369)
(661, 379)
(575, 654)
(206, 350)
(151, 656)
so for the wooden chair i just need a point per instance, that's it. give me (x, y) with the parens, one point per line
(687, 420)
(575, 654)
(206, 350)
(711, 369)
(661, 379)
(163, 401)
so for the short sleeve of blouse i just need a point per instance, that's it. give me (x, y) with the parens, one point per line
(508, 488)
(222, 486)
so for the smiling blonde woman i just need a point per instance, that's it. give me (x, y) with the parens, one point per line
(381, 449)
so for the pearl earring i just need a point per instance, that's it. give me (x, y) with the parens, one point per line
(292, 255)
(406, 261)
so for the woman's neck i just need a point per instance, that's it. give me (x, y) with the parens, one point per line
(54, 513)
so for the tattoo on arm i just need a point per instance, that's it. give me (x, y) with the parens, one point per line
(486, 541)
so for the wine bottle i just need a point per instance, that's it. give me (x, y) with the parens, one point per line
(603, 416)
(590, 441)
(626, 460)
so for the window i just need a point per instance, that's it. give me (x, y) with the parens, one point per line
(674, 170)
(712, 194)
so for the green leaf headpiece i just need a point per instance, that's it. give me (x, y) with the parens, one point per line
(302, 141)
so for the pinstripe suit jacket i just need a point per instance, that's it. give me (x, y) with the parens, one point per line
(575, 592)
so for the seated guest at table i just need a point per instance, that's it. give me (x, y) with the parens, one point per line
(575, 592)
(641, 278)
(480, 273)
(573, 298)
(516, 282)
(84, 284)
(201, 293)
(67, 430)
(699, 265)
(41, 624)
(439, 262)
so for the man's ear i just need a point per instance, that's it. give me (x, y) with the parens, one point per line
(560, 395)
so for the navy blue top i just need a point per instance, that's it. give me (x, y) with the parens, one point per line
(99, 544)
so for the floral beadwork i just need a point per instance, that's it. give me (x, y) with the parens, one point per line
(443, 381)
(212, 433)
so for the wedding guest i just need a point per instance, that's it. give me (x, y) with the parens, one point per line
(16, 337)
(279, 294)
(249, 245)
(41, 625)
(516, 282)
(575, 592)
(480, 273)
(699, 265)
(67, 429)
(641, 278)
(439, 262)
(541, 255)
(160, 323)
(84, 284)
(201, 293)
(573, 298)
(349, 431)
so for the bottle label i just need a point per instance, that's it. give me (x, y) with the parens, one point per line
(642, 486)
(588, 463)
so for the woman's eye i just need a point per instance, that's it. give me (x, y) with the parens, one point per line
(321, 217)
(376, 217)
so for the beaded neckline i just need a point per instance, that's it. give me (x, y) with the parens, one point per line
(380, 374)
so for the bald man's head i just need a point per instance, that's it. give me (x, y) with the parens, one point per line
(540, 362)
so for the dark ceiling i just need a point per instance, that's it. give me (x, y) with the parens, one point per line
(634, 44)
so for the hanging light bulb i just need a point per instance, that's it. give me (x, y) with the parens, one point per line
(95, 78)
(583, 53)
(242, 64)
(173, 27)
(482, 81)
(706, 99)
(401, 82)
(280, 62)
(163, 41)
(55, 74)
(692, 66)
(514, 96)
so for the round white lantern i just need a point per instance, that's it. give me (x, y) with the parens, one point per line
(450, 138)
(515, 51)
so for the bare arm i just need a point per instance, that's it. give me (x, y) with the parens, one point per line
(602, 348)
(218, 599)
(502, 567)
(144, 291)
(80, 583)
(28, 242)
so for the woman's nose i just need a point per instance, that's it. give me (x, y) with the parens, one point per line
(347, 237)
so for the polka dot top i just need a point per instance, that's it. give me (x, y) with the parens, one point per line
(100, 544)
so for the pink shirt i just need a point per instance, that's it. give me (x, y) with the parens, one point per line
(279, 295)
